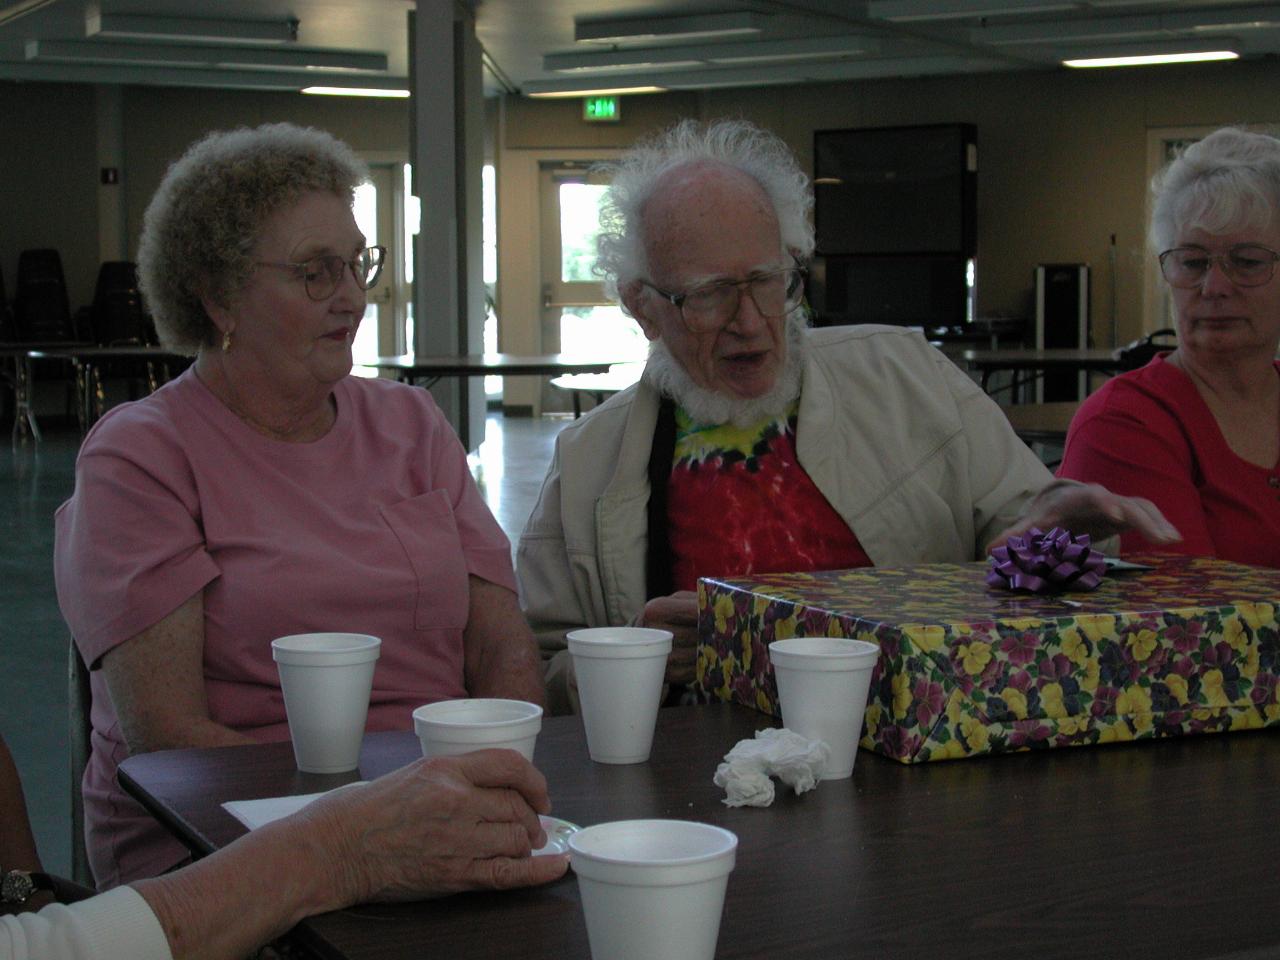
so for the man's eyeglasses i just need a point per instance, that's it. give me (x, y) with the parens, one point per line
(1245, 264)
(323, 274)
(707, 308)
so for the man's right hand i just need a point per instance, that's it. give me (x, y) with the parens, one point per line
(679, 614)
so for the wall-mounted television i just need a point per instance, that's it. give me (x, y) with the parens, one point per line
(903, 190)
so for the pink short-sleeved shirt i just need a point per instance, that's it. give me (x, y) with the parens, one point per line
(373, 529)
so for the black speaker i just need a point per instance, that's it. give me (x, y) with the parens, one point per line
(1062, 322)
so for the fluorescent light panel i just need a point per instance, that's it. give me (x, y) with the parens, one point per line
(1152, 59)
(129, 26)
(356, 92)
(548, 90)
(648, 28)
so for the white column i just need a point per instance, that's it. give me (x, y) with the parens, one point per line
(112, 229)
(446, 147)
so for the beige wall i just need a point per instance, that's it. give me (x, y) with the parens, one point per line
(49, 180)
(1062, 156)
(49, 168)
(1062, 160)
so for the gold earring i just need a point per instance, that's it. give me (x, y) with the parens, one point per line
(226, 341)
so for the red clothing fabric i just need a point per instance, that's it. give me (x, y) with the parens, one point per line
(1148, 433)
(738, 502)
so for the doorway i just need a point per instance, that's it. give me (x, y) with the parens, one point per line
(577, 319)
(387, 214)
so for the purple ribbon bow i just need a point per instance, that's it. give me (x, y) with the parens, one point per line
(1052, 562)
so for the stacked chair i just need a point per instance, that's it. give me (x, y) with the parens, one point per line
(42, 318)
(42, 313)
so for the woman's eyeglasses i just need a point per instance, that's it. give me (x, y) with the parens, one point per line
(1245, 264)
(323, 274)
(709, 307)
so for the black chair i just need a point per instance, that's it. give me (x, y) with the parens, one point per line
(42, 312)
(116, 316)
(8, 333)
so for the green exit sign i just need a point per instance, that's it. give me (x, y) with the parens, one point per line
(601, 109)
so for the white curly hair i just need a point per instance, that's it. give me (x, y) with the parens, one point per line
(201, 226)
(739, 144)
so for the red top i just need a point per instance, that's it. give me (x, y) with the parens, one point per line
(739, 502)
(1148, 433)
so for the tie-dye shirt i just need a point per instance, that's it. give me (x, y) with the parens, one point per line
(739, 502)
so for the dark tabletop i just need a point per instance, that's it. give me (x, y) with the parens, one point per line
(1158, 849)
(488, 364)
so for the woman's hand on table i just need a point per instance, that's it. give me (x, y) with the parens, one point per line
(1093, 509)
(432, 828)
(679, 614)
(437, 827)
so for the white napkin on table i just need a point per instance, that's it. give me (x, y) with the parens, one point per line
(256, 813)
(795, 760)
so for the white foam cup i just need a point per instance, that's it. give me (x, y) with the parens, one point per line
(326, 679)
(619, 672)
(822, 690)
(450, 727)
(652, 889)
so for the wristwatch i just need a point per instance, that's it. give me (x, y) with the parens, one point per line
(17, 886)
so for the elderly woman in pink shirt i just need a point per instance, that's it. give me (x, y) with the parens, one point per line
(266, 491)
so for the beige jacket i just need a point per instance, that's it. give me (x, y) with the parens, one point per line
(919, 462)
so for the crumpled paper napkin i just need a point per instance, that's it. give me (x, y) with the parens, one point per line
(795, 760)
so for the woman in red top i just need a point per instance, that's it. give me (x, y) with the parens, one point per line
(1197, 430)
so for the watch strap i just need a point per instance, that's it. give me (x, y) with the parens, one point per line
(17, 886)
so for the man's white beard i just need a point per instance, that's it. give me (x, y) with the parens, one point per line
(665, 374)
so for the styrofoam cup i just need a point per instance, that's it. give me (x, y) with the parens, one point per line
(619, 671)
(450, 727)
(652, 889)
(326, 679)
(822, 690)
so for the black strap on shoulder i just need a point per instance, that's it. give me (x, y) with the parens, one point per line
(658, 561)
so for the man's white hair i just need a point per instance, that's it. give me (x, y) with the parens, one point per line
(665, 374)
(743, 146)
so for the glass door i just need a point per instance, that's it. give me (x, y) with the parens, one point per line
(386, 214)
(578, 320)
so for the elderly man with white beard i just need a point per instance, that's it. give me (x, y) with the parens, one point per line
(753, 444)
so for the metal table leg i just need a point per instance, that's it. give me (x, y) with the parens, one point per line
(24, 415)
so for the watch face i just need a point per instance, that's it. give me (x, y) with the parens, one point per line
(16, 887)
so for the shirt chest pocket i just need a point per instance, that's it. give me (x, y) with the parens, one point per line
(428, 534)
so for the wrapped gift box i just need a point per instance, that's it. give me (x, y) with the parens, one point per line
(1192, 646)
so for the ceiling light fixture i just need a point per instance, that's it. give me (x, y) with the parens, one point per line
(130, 26)
(693, 55)
(667, 28)
(905, 11)
(546, 91)
(357, 92)
(1151, 59)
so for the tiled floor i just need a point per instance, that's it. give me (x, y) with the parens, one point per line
(34, 480)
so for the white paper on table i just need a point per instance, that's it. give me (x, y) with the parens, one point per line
(256, 813)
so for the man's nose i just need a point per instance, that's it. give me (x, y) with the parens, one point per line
(747, 318)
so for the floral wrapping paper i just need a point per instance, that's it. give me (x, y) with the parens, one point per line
(1192, 646)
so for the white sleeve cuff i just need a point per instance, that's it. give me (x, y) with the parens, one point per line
(118, 923)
